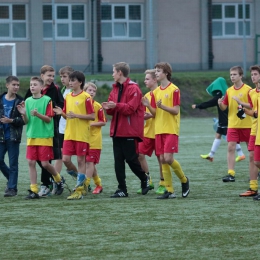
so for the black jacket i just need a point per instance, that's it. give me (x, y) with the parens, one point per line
(57, 100)
(222, 115)
(16, 128)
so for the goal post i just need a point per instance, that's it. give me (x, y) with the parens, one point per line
(13, 46)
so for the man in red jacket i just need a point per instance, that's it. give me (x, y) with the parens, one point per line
(125, 107)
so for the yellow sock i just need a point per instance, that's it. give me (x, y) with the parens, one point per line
(97, 181)
(34, 188)
(167, 175)
(253, 184)
(178, 171)
(231, 172)
(87, 182)
(57, 178)
(161, 183)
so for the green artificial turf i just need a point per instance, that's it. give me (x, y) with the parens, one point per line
(213, 222)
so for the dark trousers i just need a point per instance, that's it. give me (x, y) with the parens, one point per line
(125, 150)
(46, 177)
(10, 172)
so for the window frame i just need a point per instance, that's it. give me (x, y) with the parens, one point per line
(235, 20)
(10, 21)
(67, 21)
(126, 20)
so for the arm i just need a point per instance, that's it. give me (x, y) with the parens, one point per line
(239, 102)
(22, 111)
(44, 118)
(222, 105)
(172, 110)
(210, 103)
(101, 119)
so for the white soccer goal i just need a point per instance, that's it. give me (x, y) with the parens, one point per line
(13, 53)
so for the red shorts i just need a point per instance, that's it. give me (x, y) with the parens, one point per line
(39, 153)
(166, 143)
(251, 143)
(257, 153)
(93, 156)
(147, 146)
(78, 148)
(238, 135)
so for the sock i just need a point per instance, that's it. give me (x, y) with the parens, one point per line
(161, 183)
(239, 150)
(214, 148)
(87, 182)
(231, 172)
(253, 184)
(97, 181)
(178, 171)
(57, 178)
(167, 175)
(34, 188)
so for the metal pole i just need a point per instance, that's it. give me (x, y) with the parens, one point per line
(14, 60)
(244, 37)
(53, 37)
(151, 38)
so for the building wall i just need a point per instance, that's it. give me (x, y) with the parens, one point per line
(179, 33)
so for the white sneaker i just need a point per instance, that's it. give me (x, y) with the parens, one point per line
(54, 188)
(44, 191)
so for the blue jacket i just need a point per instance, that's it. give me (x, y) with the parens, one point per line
(16, 128)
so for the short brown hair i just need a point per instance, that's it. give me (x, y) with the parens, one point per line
(166, 67)
(37, 79)
(239, 69)
(10, 79)
(46, 68)
(66, 69)
(89, 84)
(255, 67)
(123, 67)
(151, 72)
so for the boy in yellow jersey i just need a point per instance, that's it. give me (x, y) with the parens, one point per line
(253, 96)
(78, 111)
(95, 140)
(255, 113)
(165, 106)
(238, 129)
(38, 115)
(148, 145)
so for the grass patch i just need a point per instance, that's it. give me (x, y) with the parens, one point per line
(212, 223)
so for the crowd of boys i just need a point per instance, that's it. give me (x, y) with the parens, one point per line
(52, 115)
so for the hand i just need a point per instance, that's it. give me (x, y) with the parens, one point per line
(159, 103)
(6, 120)
(57, 110)
(145, 101)
(71, 115)
(193, 106)
(220, 100)
(147, 116)
(21, 108)
(237, 99)
(108, 105)
(34, 112)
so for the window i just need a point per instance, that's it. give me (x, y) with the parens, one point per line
(70, 21)
(227, 20)
(13, 21)
(122, 21)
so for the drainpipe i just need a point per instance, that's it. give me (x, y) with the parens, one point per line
(210, 43)
(99, 43)
(92, 38)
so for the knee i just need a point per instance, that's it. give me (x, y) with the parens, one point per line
(45, 164)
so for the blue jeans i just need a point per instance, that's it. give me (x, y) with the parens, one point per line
(11, 172)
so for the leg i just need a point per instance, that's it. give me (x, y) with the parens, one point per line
(143, 162)
(3, 167)
(119, 162)
(13, 154)
(45, 175)
(231, 156)
(32, 171)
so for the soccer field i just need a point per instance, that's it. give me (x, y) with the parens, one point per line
(213, 222)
